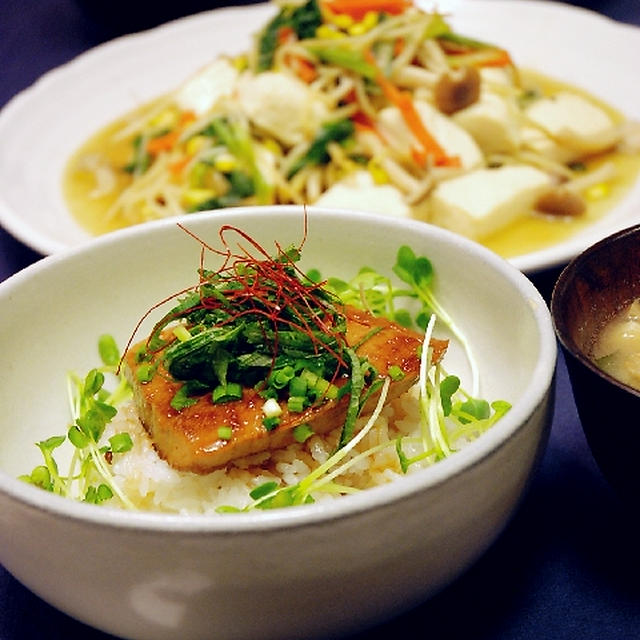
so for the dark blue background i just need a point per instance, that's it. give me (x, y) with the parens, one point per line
(568, 564)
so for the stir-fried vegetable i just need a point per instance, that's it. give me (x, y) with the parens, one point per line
(336, 97)
(317, 152)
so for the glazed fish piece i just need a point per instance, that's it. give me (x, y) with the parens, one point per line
(189, 440)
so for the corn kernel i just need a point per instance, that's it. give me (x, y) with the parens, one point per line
(598, 191)
(195, 144)
(197, 174)
(240, 62)
(271, 145)
(166, 119)
(324, 31)
(367, 23)
(225, 162)
(194, 197)
(378, 174)
(342, 21)
(370, 19)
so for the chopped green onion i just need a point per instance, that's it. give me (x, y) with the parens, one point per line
(396, 373)
(145, 372)
(225, 433)
(309, 377)
(182, 333)
(271, 422)
(271, 408)
(302, 432)
(298, 386)
(324, 389)
(296, 404)
(281, 377)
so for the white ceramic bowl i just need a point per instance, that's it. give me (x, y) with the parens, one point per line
(266, 574)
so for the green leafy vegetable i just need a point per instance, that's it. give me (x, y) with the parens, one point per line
(375, 292)
(260, 323)
(141, 160)
(350, 59)
(303, 20)
(243, 183)
(317, 153)
(92, 407)
(448, 412)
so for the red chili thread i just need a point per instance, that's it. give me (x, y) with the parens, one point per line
(265, 285)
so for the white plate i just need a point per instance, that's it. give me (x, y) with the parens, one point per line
(42, 126)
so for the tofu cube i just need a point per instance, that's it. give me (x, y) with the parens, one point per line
(359, 192)
(450, 136)
(575, 122)
(282, 106)
(485, 200)
(202, 91)
(493, 123)
(536, 140)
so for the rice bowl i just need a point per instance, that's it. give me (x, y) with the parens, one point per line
(215, 568)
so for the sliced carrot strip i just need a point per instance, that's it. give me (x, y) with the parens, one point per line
(481, 58)
(177, 167)
(404, 102)
(186, 117)
(363, 121)
(163, 143)
(357, 9)
(303, 68)
(286, 34)
(398, 47)
(169, 140)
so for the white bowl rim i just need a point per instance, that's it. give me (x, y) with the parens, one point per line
(347, 506)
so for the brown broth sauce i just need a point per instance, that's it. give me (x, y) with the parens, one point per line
(78, 182)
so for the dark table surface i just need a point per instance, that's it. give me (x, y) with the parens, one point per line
(568, 564)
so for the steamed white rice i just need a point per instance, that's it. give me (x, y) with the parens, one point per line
(151, 484)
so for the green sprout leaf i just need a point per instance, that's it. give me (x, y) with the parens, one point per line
(92, 407)
(108, 350)
(447, 388)
(121, 442)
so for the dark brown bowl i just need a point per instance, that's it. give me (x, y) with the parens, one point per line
(590, 290)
